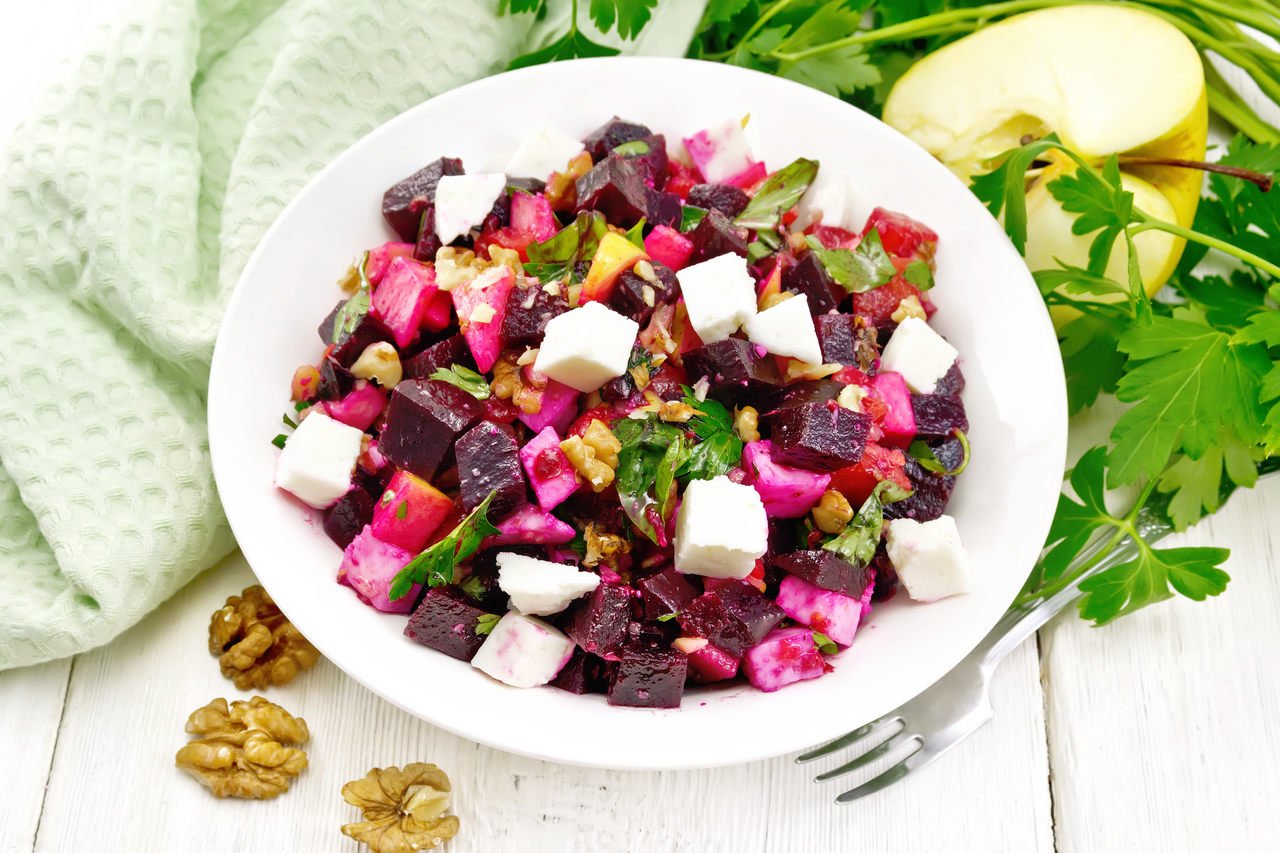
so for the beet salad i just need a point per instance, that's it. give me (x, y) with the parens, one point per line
(635, 413)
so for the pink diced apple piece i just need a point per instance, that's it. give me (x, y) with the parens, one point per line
(748, 177)
(411, 509)
(369, 565)
(439, 313)
(899, 423)
(559, 408)
(783, 657)
(531, 526)
(831, 613)
(402, 297)
(720, 152)
(712, 663)
(785, 491)
(375, 269)
(361, 407)
(531, 214)
(481, 305)
(550, 472)
(669, 246)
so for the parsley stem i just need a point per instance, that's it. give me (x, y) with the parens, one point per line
(1226, 103)
(751, 31)
(1150, 223)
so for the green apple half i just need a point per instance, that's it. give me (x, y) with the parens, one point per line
(1107, 80)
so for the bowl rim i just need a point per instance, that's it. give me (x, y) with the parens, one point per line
(515, 742)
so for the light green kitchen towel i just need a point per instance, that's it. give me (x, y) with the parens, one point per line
(127, 209)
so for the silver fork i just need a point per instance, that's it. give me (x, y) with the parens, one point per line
(960, 702)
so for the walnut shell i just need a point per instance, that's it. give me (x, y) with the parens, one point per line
(403, 809)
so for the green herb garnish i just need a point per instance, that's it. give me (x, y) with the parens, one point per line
(779, 193)
(667, 617)
(486, 622)
(465, 378)
(556, 257)
(636, 233)
(690, 216)
(634, 148)
(435, 565)
(825, 644)
(719, 449)
(861, 537)
(924, 454)
(289, 422)
(355, 308)
(279, 440)
(860, 269)
(918, 274)
(402, 511)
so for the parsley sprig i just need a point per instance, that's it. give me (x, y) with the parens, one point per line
(435, 565)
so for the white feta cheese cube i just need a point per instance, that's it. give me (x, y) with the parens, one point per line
(720, 295)
(523, 651)
(586, 347)
(721, 152)
(317, 460)
(928, 557)
(539, 587)
(721, 529)
(542, 152)
(786, 329)
(919, 353)
(832, 197)
(463, 201)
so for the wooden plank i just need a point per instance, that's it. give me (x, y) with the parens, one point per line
(31, 702)
(1162, 726)
(128, 702)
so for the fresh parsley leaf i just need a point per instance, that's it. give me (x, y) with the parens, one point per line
(667, 617)
(1076, 281)
(636, 233)
(778, 194)
(558, 257)
(402, 511)
(757, 251)
(665, 479)
(1077, 520)
(355, 308)
(690, 216)
(1100, 203)
(722, 10)
(474, 587)
(631, 15)
(646, 451)
(634, 148)
(840, 71)
(1091, 358)
(435, 565)
(860, 269)
(289, 422)
(1196, 484)
(1189, 383)
(1126, 588)
(1004, 188)
(571, 45)
(279, 440)
(923, 453)
(465, 378)
(825, 644)
(1238, 211)
(918, 274)
(719, 449)
(860, 538)
(486, 622)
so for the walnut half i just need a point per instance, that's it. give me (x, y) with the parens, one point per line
(244, 750)
(256, 645)
(403, 809)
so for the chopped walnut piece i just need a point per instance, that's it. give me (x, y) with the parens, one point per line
(509, 384)
(676, 412)
(833, 512)
(746, 423)
(776, 298)
(909, 306)
(256, 645)
(603, 547)
(561, 191)
(594, 455)
(244, 750)
(403, 809)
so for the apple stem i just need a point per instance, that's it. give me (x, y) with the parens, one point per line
(1263, 182)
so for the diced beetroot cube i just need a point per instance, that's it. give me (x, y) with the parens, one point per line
(482, 305)
(833, 613)
(938, 416)
(878, 304)
(598, 623)
(847, 339)
(952, 382)
(529, 525)
(825, 570)
(727, 199)
(489, 461)
(929, 496)
(665, 593)
(410, 510)
(438, 314)
(663, 208)
(367, 330)
(800, 393)
(899, 422)
(615, 187)
(809, 277)
(784, 657)
(559, 406)
(369, 565)
(668, 246)
(709, 663)
(611, 134)
(345, 519)
(380, 258)
(423, 420)
(529, 309)
(446, 622)
(452, 350)
(733, 617)
(785, 491)
(648, 678)
(638, 297)
(583, 673)
(878, 463)
(360, 407)
(404, 203)
(818, 436)
(549, 471)
(901, 235)
(733, 368)
(402, 298)
(716, 235)
(531, 215)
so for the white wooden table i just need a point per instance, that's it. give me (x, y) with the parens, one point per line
(1157, 733)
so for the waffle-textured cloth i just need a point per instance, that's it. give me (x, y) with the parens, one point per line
(127, 209)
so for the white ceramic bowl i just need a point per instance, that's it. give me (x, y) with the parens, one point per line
(987, 306)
